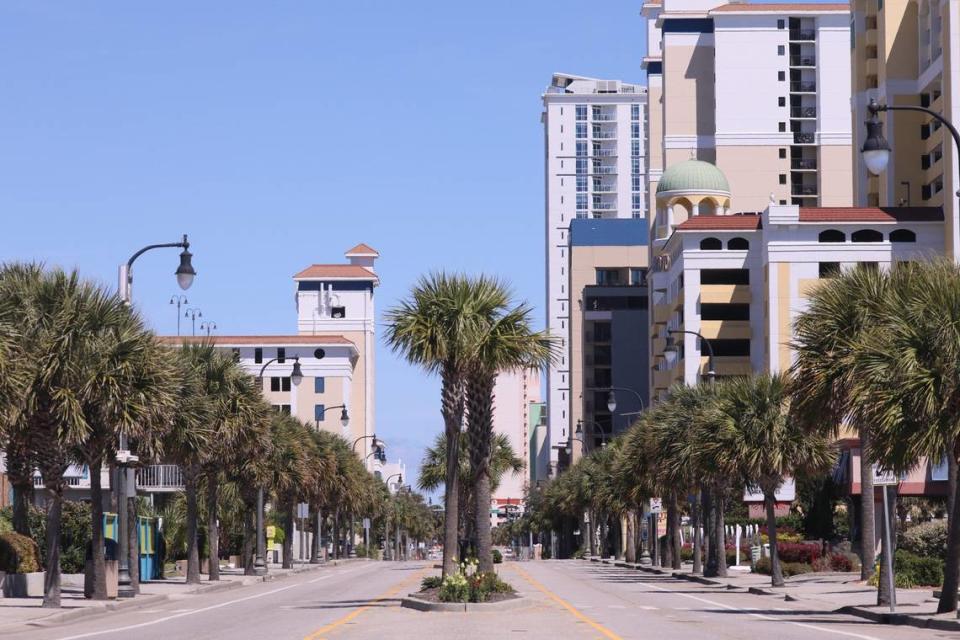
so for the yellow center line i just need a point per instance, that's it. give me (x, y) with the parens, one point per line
(316, 635)
(566, 605)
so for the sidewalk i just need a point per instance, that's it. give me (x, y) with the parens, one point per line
(16, 612)
(827, 592)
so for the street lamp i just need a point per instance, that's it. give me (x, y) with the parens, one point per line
(570, 444)
(670, 351)
(185, 274)
(612, 398)
(208, 326)
(178, 299)
(193, 313)
(597, 427)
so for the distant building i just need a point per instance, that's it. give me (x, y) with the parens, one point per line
(514, 395)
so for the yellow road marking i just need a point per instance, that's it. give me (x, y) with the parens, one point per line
(316, 635)
(566, 605)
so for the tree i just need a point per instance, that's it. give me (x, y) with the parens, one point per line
(434, 328)
(767, 444)
(840, 312)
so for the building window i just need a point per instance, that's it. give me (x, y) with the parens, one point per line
(781, 24)
(338, 312)
(318, 412)
(636, 201)
(717, 311)
(829, 269)
(711, 244)
(866, 235)
(725, 276)
(636, 182)
(634, 112)
(782, 153)
(279, 384)
(781, 50)
(581, 130)
(581, 183)
(581, 202)
(781, 101)
(635, 165)
(634, 148)
(782, 127)
(638, 277)
(738, 244)
(319, 385)
(281, 355)
(783, 202)
(903, 235)
(783, 178)
(581, 149)
(781, 76)
(635, 130)
(581, 112)
(608, 277)
(258, 355)
(282, 408)
(832, 235)
(729, 348)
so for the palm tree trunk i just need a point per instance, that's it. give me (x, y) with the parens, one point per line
(776, 571)
(21, 479)
(631, 550)
(951, 568)
(193, 550)
(868, 540)
(288, 535)
(588, 529)
(883, 588)
(133, 546)
(213, 529)
(315, 544)
(720, 538)
(51, 578)
(697, 541)
(98, 561)
(671, 553)
(451, 398)
(336, 534)
(249, 542)
(484, 534)
(707, 517)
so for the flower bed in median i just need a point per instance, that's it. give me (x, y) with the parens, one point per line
(466, 585)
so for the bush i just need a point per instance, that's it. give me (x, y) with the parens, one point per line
(803, 553)
(918, 570)
(788, 568)
(454, 588)
(497, 556)
(18, 553)
(467, 585)
(431, 582)
(928, 539)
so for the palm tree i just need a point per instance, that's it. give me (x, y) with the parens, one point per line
(768, 446)
(840, 312)
(505, 343)
(433, 328)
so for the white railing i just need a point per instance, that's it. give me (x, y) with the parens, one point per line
(160, 477)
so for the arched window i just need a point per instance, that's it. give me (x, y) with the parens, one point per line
(832, 235)
(738, 244)
(711, 244)
(903, 235)
(866, 235)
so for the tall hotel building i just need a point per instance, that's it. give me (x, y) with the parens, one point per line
(595, 149)
(906, 52)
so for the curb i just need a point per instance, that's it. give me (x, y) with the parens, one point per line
(905, 619)
(418, 604)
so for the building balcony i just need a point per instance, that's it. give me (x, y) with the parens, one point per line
(605, 153)
(803, 190)
(157, 478)
(870, 37)
(803, 164)
(725, 329)
(664, 379)
(871, 66)
(803, 35)
(605, 135)
(803, 61)
(800, 137)
(803, 86)
(604, 206)
(725, 294)
(803, 112)
(604, 170)
(728, 365)
(604, 117)
(661, 313)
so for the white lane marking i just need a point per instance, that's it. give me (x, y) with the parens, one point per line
(210, 608)
(763, 617)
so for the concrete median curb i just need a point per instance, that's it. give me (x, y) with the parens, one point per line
(920, 622)
(419, 604)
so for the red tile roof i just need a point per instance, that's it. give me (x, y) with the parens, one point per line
(362, 250)
(340, 271)
(781, 7)
(871, 214)
(721, 223)
(258, 340)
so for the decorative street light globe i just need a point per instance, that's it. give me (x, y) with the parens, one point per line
(185, 272)
(612, 401)
(670, 350)
(875, 150)
(297, 376)
(344, 418)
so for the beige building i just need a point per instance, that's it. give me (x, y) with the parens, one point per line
(514, 394)
(904, 53)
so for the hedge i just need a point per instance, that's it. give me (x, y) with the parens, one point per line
(18, 553)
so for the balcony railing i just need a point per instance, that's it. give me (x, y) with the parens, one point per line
(604, 206)
(805, 86)
(803, 61)
(605, 153)
(803, 34)
(804, 138)
(803, 112)
(160, 477)
(605, 135)
(803, 163)
(603, 117)
(803, 190)
(605, 170)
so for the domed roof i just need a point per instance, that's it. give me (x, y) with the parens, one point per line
(693, 175)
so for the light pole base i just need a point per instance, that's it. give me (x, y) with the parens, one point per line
(259, 570)
(645, 560)
(125, 589)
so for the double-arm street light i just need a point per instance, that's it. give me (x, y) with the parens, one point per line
(193, 313)
(597, 428)
(178, 299)
(126, 483)
(670, 351)
(208, 326)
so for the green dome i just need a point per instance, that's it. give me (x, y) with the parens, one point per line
(693, 175)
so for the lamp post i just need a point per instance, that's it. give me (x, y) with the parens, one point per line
(670, 351)
(193, 313)
(597, 427)
(399, 477)
(260, 561)
(876, 150)
(185, 274)
(208, 326)
(179, 300)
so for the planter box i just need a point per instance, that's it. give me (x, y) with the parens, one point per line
(23, 585)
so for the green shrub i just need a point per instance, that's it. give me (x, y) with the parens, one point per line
(483, 585)
(454, 588)
(431, 582)
(497, 556)
(918, 570)
(18, 553)
(788, 568)
(928, 539)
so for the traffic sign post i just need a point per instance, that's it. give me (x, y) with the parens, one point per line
(884, 479)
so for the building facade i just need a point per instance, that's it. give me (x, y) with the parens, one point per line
(906, 52)
(514, 394)
(595, 146)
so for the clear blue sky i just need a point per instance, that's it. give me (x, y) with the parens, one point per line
(280, 134)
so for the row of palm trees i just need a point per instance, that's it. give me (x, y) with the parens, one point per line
(78, 369)
(466, 330)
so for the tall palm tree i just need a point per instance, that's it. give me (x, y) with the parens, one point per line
(768, 446)
(433, 328)
(840, 312)
(506, 342)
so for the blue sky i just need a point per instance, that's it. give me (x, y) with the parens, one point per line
(280, 134)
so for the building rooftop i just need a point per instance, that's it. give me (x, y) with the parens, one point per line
(363, 250)
(782, 7)
(871, 214)
(231, 341)
(336, 272)
(693, 175)
(567, 83)
(748, 222)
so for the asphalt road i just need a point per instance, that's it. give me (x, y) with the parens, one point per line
(567, 599)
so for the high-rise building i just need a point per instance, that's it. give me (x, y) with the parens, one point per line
(903, 54)
(515, 393)
(595, 132)
(757, 89)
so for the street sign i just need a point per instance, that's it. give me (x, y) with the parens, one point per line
(884, 477)
(366, 523)
(303, 510)
(656, 505)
